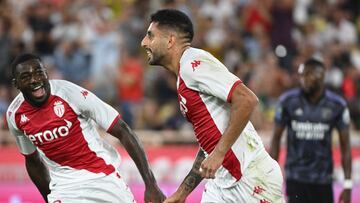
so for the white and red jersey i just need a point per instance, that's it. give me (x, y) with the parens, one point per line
(204, 87)
(63, 130)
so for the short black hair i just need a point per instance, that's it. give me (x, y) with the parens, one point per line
(21, 59)
(174, 19)
(314, 63)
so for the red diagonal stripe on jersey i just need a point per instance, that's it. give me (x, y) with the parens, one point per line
(206, 131)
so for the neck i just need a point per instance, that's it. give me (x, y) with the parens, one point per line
(316, 96)
(174, 59)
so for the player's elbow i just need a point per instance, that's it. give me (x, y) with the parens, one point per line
(252, 100)
(245, 97)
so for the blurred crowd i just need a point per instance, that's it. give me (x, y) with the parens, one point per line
(96, 44)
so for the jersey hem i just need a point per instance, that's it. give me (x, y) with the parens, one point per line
(232, 89)
(29, 154)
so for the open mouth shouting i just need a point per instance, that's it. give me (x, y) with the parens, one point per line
(38, 91)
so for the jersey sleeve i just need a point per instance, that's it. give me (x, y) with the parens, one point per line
(24, 144)
(90, 106)
(343, 121)
(209, 77)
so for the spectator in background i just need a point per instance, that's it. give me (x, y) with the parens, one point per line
(5, 49)
(310, 113)
(130, 86)
(72, 62)
(105, 52)
(39, 18)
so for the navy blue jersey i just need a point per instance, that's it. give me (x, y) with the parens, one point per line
(309, 129)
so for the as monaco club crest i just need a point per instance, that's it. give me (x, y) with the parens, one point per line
(59, 108)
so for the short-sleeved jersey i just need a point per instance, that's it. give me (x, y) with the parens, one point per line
(309, 134)
(204, 87)
(63, 131)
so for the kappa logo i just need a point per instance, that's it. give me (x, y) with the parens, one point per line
(195, 64)
(84, 93)
(23, 119)
(59, 108)
(299, 112)
(258, 190)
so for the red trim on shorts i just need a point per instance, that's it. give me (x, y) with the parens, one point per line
(113, 123)
(232, 89)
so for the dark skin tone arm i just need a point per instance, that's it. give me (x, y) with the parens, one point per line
(38, 173)
(136, 151)
(275, 141)
(345, 196)
(191, 181)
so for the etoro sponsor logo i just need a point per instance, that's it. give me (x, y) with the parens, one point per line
(50, 135)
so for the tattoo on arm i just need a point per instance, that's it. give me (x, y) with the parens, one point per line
(193, 178)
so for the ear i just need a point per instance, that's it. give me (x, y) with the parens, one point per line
(171, 41)
(13, 81)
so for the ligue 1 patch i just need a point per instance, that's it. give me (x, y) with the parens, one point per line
(59, 108)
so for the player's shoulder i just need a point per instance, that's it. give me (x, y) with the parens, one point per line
(290, 94)
(195, 59)
(335, 98)
(67, 90)
(63, 86)
(59, 84)
(15, 104)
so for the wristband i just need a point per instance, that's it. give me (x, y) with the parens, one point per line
(348, 184)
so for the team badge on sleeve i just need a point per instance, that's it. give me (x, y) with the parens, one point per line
(59, 108)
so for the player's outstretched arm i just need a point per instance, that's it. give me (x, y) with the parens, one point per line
(344, 134)
(38, 173)
(243, 102)
(275, 141)
(136, 151)
(190, 182)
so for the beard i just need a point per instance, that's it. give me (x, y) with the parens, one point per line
(156, 59)
(34, 101)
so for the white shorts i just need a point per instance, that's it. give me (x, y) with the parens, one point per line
(109, 189)
(261, 182)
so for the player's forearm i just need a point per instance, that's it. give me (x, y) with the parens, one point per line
(243, 103)
(274, 149)
(193, 179)
(135, 149)
(346, 162)
(345, 152)
(275, 141)
(38, 174)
